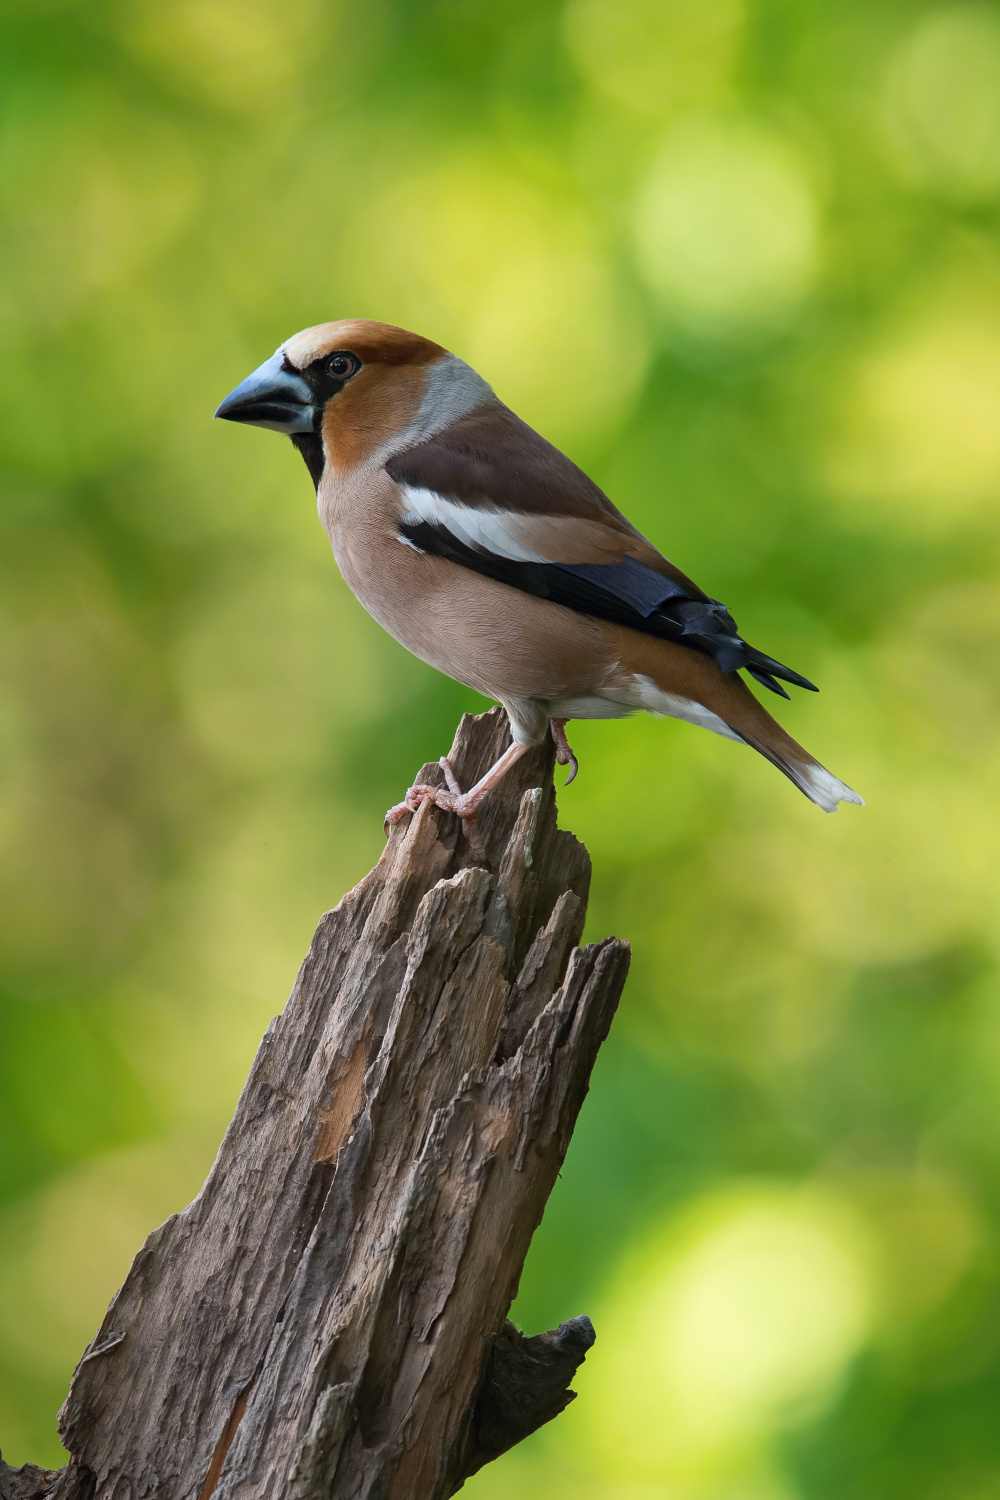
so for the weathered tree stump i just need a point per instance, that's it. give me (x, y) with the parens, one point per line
(327, 1318)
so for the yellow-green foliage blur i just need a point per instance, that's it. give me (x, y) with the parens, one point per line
(741, 259)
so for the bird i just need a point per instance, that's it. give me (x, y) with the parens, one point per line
(486, 552)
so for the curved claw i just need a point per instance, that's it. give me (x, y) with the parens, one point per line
(564, 753)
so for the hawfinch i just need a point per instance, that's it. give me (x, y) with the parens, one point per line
(488, 554)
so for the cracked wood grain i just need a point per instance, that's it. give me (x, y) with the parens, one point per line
(328, 1319)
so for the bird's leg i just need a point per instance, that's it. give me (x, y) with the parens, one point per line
(471, 823)
(465, 804)
(564, 754)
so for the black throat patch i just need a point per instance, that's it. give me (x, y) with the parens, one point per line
(324, 387)
(310, 445)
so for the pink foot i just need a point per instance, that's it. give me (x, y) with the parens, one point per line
(471, 821)
(564, 755)
(465, 804)
(452, 800)
(410, 804)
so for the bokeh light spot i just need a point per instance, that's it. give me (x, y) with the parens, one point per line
(920, 431)
(514, 280)
(942, 102)
(726, 231)
(736, 1319)
(926, 1232)
(242, 54)
(655, 56)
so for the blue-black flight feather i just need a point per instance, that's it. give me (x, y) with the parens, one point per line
(491, 459)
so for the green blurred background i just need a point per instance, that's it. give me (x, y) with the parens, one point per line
(741, 258)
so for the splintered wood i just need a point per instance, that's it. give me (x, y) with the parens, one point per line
(327, 1318)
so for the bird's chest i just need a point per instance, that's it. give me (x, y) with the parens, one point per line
(394, 582)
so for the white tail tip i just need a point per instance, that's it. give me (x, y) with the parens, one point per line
(825, 789)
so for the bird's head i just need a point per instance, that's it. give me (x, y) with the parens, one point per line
(342, 391)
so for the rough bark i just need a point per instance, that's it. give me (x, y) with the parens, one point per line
(327, 1318)
(27, 1483)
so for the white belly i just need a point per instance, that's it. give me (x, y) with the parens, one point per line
(628, 695)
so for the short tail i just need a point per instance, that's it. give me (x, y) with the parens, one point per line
(691, 685)
(747, 717)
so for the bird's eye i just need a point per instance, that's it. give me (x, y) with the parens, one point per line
(341, 365)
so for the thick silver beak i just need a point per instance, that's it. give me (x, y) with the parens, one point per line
(272, 397)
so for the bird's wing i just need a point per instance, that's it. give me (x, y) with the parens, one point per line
(491, 494)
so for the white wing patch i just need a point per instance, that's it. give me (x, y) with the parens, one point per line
(486, 530)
